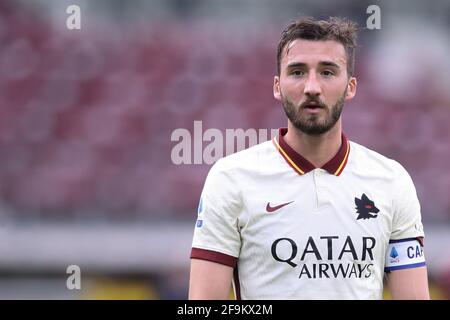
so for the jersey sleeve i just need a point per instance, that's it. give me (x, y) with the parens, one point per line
(216, 233)
(407, 220)
(405, 249)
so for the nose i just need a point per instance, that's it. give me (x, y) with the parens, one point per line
(312, 86)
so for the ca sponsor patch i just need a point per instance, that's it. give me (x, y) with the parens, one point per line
(403, 254)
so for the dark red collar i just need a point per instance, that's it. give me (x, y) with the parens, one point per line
(301, 165)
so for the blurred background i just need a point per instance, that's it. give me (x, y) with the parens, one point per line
(86, 119)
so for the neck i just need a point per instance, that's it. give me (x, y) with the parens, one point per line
(316, 149)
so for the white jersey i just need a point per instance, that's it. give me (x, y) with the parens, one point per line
(293, 231)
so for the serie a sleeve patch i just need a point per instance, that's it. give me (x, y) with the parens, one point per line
(404, 254)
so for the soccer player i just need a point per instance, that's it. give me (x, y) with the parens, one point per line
(310, 214)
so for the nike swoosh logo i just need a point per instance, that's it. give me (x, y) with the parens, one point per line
(272, 209)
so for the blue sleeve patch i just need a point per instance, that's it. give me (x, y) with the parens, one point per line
(200, 206)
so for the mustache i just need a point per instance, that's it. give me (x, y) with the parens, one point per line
(315, 102)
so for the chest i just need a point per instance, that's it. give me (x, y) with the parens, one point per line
(321, 215)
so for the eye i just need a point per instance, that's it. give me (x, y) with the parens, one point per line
(298, 73)
(327, 73)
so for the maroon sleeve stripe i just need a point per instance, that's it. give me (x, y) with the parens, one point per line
(213, 256)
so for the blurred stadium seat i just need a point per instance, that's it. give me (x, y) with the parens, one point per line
(85, 121)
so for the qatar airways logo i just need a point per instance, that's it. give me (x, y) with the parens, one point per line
(341, 259)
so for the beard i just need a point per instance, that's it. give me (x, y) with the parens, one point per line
(311, 123)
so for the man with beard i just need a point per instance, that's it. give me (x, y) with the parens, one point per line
(310, 214)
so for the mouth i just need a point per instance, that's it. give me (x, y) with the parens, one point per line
(312, 107)
(312, 104)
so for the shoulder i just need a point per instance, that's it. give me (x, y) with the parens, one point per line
(245, 160)
(365, 159)
(229, 173)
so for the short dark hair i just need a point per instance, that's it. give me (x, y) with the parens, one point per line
(341, 30)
